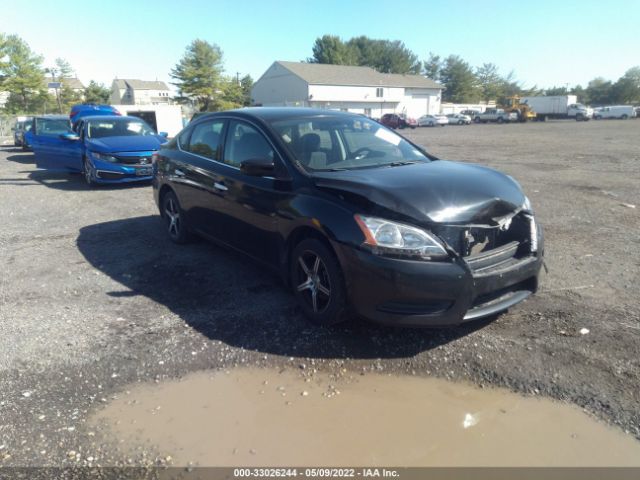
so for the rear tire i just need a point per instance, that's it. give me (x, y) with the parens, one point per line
(625, 116)
(500, 120)
(317, 283)
(174, 219)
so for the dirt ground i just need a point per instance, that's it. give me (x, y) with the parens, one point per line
(94, 297)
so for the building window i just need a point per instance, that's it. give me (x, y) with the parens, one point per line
(379, 92)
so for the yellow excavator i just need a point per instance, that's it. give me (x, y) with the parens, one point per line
(524, 111)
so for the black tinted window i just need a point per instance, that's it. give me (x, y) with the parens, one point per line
(244, 143)
(205, 139)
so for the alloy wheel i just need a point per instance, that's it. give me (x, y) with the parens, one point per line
(172, 212)
(87, 173)
(313, 281)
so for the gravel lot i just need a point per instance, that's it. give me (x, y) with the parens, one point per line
(94, 297)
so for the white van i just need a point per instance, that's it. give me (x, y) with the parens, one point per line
(615, 111)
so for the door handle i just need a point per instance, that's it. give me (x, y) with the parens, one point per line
(220, 187)
(178, 173)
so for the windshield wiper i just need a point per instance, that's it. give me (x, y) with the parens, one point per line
(404, 162)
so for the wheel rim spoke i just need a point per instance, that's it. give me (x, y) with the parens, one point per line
(306, 285)
(324, 290)
(313, 278)
(173, 217)
(305, 269)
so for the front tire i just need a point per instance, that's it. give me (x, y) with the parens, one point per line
(317, 282)
(174, 219)
(87, 174)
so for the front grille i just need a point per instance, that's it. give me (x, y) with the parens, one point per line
(142, 160)
(489, 249)
(473, 240)
(108, 175)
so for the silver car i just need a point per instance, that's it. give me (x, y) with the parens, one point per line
(458, 119)
(432, 120)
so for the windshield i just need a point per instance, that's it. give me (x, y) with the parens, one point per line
(118, 127)
(344, 143)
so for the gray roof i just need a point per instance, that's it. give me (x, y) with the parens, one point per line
(135, 84)
(325, 74)
(70, 82)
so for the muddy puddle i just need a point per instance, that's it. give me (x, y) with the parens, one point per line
(263, 417)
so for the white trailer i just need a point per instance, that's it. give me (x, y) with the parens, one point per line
(163, 118)
(558, 106)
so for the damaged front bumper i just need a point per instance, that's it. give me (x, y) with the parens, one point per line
(421, 293)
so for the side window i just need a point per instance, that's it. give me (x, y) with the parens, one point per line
(205, 140)
(52, 127)
(244, 143)
(183, 139)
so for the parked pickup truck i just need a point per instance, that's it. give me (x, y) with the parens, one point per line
(495, 115)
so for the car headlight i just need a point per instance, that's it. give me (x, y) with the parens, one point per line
(385, 237)
(104, 157)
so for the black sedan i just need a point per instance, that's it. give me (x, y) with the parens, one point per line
(356, 219)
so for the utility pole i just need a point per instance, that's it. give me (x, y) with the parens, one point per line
(52, 71)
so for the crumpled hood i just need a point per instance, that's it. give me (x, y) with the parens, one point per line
(440, 192)
(125, 144)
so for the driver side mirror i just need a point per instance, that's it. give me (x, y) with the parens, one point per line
(258, 167)
(71, 137)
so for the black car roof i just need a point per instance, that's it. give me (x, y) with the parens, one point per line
(280, 113)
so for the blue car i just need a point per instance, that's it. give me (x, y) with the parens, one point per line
(90, 109)
(105, 149)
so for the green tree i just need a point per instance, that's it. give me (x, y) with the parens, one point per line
(461, 85)
(386, 56)
(96, 93)
(432, 67)
(246, 83)
(599, 91)
(490, 82)
(331, 49)
(581, 93)
(21, 75)
(67, 96)
(627, 88)
(553, 91)
(199, 74)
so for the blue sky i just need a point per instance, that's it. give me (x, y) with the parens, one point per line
(544, 42)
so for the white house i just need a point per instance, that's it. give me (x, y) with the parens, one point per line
(70, 82)
(348, 88)
(139, 92)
